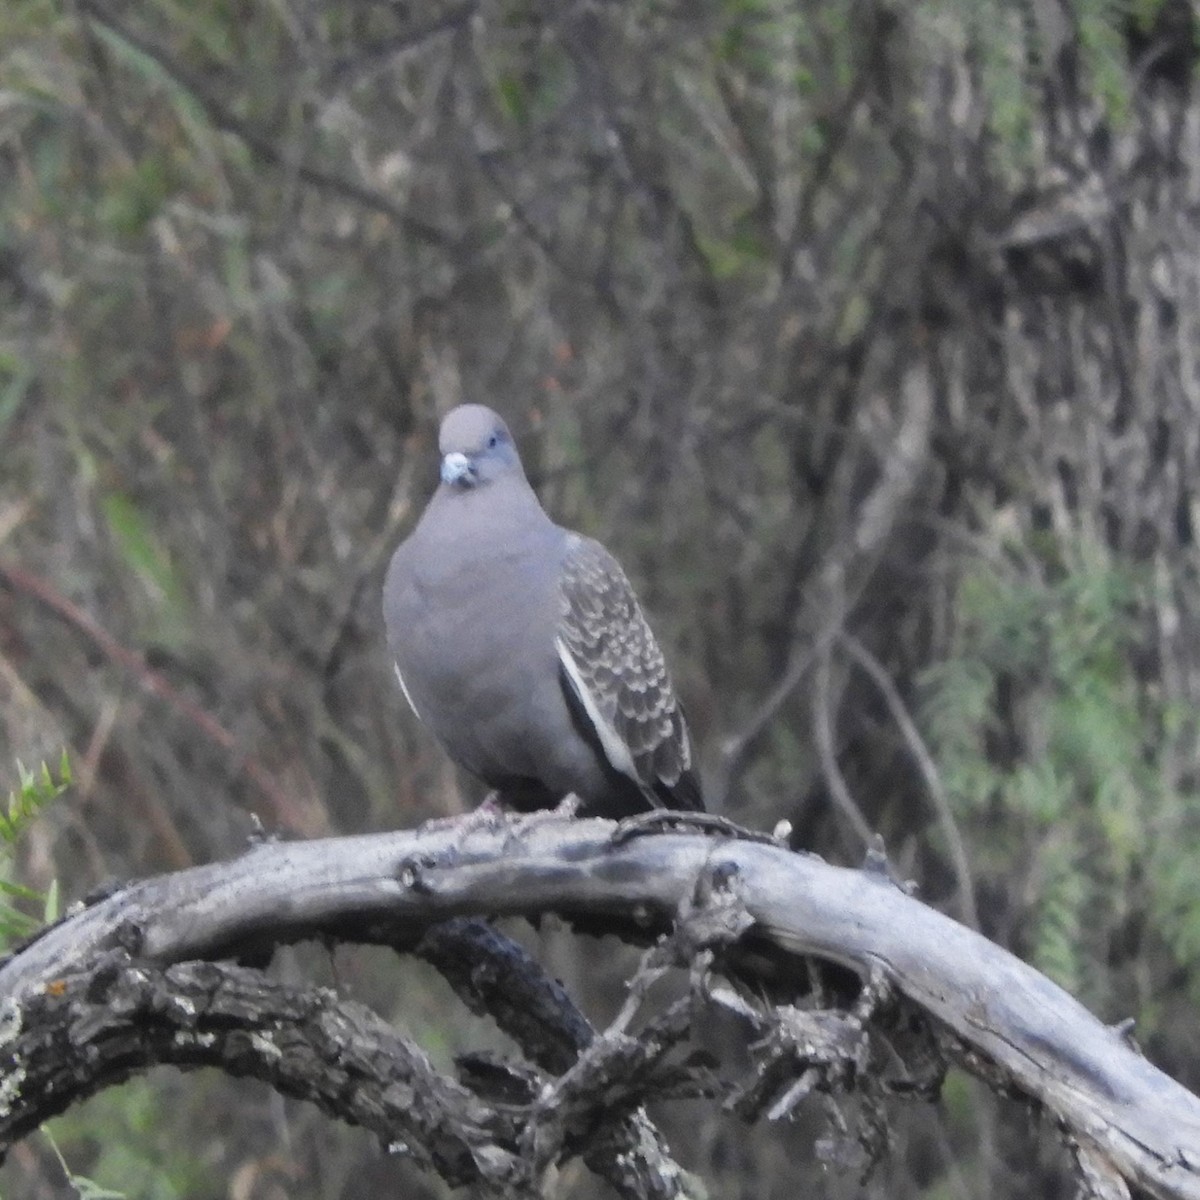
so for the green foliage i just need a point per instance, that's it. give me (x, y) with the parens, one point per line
(141, 551)
(136, 193)
(1011, 57)
(998, 33)
(1144, 13)
(752, 32)
(741, 253)
(35, 790)
(16, 376)
(513, 97)
(534, 82)
(183, 106)
(88, 1189)
(1065, 893)
(1051, 749)
(1102, 44)
(84, 1188)
(128, 1142)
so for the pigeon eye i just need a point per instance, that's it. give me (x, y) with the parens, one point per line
(493, 441)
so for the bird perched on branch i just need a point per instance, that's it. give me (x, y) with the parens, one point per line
(522, 648)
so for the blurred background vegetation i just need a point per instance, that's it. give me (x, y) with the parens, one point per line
(865, 332)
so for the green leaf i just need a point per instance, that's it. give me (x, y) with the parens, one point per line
(35, 790)
(88, 1189)
(140, 549)
(514, 98)
(19, 891)
(51, 910)
(13, 392)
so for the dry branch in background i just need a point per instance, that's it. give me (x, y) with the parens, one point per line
(136, 979)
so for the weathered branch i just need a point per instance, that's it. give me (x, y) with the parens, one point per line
(994, 1013)
(494, 976)
(94, 1027)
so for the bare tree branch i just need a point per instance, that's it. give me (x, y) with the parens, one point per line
(495, 977)
(93, 1027)
(995, 1015)
(843, 575)
(823, 708)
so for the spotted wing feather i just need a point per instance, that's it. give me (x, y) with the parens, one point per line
(618, 674)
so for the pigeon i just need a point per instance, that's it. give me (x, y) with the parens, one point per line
(521, 646)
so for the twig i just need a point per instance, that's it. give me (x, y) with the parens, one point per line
(823, 727)
(496, 977)
(735, 749)
(928, 769)
(351, 66)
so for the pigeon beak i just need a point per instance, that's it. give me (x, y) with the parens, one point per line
(457, 468)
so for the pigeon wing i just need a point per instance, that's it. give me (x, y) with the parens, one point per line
(617, 673)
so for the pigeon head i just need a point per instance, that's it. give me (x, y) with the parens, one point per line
(476, 447)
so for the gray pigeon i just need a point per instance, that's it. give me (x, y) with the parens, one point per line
(521, 646)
